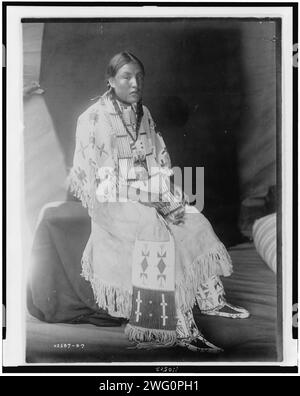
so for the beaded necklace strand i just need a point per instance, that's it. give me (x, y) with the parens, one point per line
(138, 121)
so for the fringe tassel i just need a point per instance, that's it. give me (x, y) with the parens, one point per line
(115, 300)
(86, 263)
(215, 262)
(86, 200)
(150, 338)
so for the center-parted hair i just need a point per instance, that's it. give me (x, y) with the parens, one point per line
(121, 59)
(115, 64)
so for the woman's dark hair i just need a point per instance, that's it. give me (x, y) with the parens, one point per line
(119, 60)
(115, 64)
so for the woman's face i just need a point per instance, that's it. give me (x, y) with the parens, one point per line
(128, 83)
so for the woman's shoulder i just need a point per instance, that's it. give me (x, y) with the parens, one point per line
(87, 112)
(99, 109)
(146, 110)
(149, 118)
(148, 115)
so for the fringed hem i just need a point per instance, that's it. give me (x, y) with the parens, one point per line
(217, 261)
(116, 301)
(150, 338)
(86, 200)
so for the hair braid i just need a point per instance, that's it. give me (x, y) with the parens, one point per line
(139, 112)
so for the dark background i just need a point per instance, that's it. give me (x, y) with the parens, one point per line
(210, 86)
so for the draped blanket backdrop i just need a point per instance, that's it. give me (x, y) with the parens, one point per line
(44, 166)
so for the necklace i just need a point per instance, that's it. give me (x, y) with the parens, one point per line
(138, 121)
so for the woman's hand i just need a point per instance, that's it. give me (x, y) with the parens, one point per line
(180, 195)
